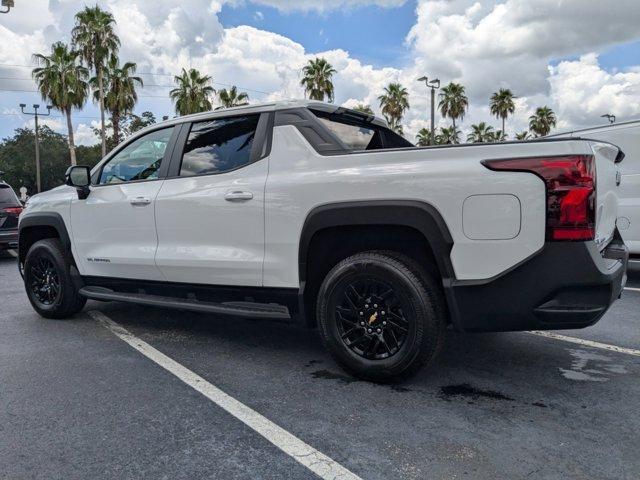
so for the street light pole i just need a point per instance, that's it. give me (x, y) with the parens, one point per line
(433, 85)
(36, 115)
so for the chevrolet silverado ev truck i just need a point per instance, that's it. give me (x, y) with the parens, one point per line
(308, 211)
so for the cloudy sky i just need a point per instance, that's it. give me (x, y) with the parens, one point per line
(580, 57)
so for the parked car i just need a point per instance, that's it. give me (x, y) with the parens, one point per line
(308, 211)
(10, 209)
(625, 135)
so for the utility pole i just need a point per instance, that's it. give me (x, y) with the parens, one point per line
(36, 115)
(8, 4)
(433, 85)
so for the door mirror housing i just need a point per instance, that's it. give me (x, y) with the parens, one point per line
(80, 178)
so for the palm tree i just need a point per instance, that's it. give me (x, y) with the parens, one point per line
(501, 104)
(95, 38)
(481, 133)
(394, 103)
(448, 135)
(423, 138)
(193, 93)
(364, 108)
(499, 136)
(542, 121)
(231, 98)
(120, 97)
(522, 135)
(63, 82)
(316, 79)
(453, 102)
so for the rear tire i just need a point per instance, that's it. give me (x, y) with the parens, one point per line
(48, 280)
(381, 316)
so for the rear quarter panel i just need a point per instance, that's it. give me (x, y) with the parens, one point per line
(300, 180)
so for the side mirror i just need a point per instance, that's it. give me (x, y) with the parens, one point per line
(80, 178)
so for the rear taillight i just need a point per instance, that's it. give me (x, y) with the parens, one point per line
(13, 210)
(571, 192)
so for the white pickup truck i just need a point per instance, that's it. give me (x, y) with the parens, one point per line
(307, 211)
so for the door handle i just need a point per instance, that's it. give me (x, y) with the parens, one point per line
(139, 201)
(236, 195)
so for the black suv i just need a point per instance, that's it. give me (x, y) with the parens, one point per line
(10, 209)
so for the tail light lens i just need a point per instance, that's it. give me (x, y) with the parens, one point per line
(13, 210)
(571, 192)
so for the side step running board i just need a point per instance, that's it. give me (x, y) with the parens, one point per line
(243, 309)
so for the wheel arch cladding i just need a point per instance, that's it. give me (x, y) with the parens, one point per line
(416, 215)
(37, 226)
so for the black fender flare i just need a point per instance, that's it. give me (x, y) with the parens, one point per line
(42, 219)
(421, 216)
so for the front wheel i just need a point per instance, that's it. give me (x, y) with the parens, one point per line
(48, 281)
(380, 315)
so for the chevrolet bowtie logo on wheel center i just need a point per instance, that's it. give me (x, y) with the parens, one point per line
(373, 318)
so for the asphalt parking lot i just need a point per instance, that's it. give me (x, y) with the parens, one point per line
(77, 401)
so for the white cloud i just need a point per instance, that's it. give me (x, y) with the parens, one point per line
(84, 134)
(325, 5)
(484, 45)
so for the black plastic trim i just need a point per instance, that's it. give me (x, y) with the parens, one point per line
(565, 285)
(243, 309)
(43, 219)
(421, 216)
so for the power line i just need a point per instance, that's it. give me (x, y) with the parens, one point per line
(142, 73)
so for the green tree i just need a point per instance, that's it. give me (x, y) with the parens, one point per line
(62, 81)
(121, 96)
(394, 102)
(501, 104)
(453, 102)
(361, 107)
(481, 133)
(231, 98)
(18, 163)
(522, 135)
(499, 136)
(193, 92)
(94, 36)
(448, 135)
(136, 122)
(542, 121)
(317, 79)
(423, 138)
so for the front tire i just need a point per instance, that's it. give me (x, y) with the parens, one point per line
(48, 280)
(381, 316)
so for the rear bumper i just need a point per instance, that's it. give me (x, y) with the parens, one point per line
(565, 285)
(9, 238)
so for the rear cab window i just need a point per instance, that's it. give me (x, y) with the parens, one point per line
(357, 133)
(7, 196)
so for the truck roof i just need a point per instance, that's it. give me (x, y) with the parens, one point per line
(265, 107)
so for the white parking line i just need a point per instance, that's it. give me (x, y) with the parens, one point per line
(13, 253)
(633, 289)
(588, 343)
(317, 462)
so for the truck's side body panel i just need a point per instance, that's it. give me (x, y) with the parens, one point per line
(300, 180)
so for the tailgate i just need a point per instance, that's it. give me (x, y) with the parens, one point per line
(608, 178)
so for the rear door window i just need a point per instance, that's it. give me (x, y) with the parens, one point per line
(219, 145)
